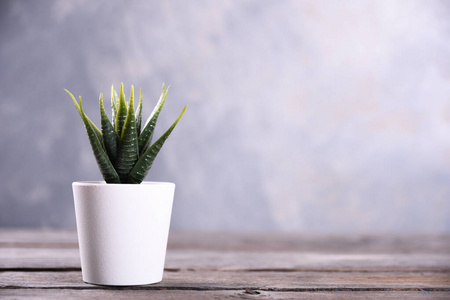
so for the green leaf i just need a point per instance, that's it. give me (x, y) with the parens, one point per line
(106, 168)
(139, 114)
(116, 97)
(128, 154)
(146, 136)
(121, 112)
(109, 134)
(97, 131)
(143, 165)
(113, 105)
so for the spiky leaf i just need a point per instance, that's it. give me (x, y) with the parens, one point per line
(113, 105)
(128, 146)
(139, 114)
(146, 136)
(109, 134)
(116, 97)
(106, 168)
(143, 165)
(98, 133)
(121, 112)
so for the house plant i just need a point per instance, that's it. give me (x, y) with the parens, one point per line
(123, 222)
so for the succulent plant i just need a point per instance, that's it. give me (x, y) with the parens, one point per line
(123, 152)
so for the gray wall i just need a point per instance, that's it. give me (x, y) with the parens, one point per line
(303, 115)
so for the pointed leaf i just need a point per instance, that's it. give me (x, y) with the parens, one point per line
(143, 165)
(116, 97)
(146, 136)
(106, 168)
(139, 114)
(128, 154)
(97, 131)
(109, 134)
(113, 105)
(121, 112)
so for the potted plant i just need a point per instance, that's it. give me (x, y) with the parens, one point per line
(123, 222)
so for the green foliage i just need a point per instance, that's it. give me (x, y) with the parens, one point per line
(123, 152)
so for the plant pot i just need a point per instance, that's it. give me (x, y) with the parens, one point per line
(123, 231)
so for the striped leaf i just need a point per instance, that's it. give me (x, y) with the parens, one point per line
(139, 114)
(121, 112)
(109, 134)
(143, 165)
(146, 136)
(128, 154)
(77, 106)
(106, 168)
(113, 105)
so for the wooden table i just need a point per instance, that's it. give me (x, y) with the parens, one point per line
(45, 264)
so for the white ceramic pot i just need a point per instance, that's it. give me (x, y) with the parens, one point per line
(123, 231)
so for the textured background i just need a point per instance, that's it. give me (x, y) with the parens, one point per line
(303, 115)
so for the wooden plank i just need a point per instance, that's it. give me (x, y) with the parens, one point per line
(225, 280)
(233, 294)
(45, 264)
(217, 260)
(256, 241)
(29, 258)
(38, 238)
(11, 258)
(319, 243)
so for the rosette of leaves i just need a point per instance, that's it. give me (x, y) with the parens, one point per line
(125, 153)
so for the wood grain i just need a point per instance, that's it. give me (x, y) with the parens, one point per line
(253, 241)
(31, 258)
(46, 264)
(225, 280)
(70, 294)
